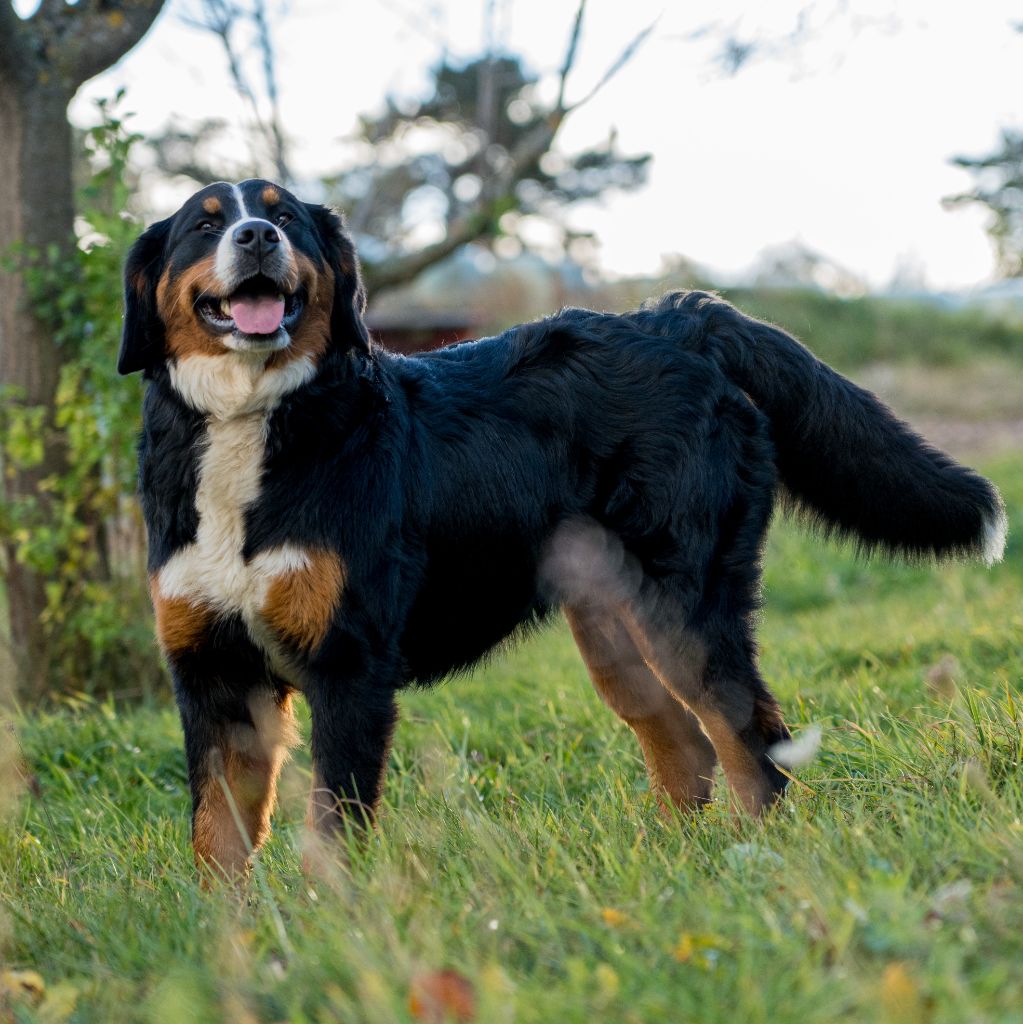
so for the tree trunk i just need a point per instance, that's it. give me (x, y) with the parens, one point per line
(35, 167)
(46, 57)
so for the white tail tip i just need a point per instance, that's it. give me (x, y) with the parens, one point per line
(996, 529)
(799, 751)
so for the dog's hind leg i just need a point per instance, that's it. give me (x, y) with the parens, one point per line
(693, 615)
(710, 664)
(680, 758)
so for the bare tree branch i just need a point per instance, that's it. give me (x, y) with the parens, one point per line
(260, 20)
(222, 17)
(392, 272)
(573, 47)
(220, 21)
(498, 192)
(623, 58)
(421, 24)
(181, 151)
(108, 31)
(486, 103)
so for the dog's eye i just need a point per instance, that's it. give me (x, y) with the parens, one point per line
(283, 219)
(206, 225)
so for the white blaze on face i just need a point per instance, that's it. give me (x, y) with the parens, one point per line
(240, 200)
(224, 264)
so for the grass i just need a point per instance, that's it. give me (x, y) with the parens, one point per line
(519, 845)
(850, 333)
(857, 331)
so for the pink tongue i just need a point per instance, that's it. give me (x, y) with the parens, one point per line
(257, 314)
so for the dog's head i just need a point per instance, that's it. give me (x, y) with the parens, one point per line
(241, 271)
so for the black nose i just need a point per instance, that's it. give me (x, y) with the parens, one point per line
(256, 236)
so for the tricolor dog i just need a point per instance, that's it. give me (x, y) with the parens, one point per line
(334, 520)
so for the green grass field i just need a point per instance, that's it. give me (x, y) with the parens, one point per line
(520, 847)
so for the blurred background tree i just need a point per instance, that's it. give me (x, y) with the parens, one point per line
(492, 162)
(46, 57)
(241, 28)
(462, 163)
(999, 187)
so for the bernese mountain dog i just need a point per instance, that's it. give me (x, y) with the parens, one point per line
(328, 518)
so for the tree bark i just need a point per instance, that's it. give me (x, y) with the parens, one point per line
(45, 60)
(35, 167)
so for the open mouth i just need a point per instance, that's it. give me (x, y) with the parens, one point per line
(257, 310)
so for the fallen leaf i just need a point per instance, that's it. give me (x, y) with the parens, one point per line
(59, 1004)
(941, 677)
(614, 918)
(900, 994)
(701, 951)
(439, 996)
(22, 985)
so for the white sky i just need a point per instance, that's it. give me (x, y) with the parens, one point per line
(842, 143)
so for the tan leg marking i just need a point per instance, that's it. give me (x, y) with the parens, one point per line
(745, 776)
(680, 758)
(249, 761)
(680, 666)
(181, 625)
(299, 605)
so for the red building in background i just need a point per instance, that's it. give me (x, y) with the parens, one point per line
(420, 330)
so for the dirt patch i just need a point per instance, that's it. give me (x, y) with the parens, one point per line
(973, 411)
(967, 440)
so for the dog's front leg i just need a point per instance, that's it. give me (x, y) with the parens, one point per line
(352, 723)
(236, 739)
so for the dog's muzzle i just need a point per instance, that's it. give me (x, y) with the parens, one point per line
(258, 298)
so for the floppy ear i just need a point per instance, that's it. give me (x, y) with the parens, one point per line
(142, 333)
(347, 327)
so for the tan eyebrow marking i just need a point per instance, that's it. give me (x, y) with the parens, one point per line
(271, 195)
(211, 204)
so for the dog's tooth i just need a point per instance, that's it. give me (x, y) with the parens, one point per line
(225, 307)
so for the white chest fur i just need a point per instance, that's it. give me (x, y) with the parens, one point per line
(211, 572)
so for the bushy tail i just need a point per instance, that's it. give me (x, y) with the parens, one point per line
(842, 455)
